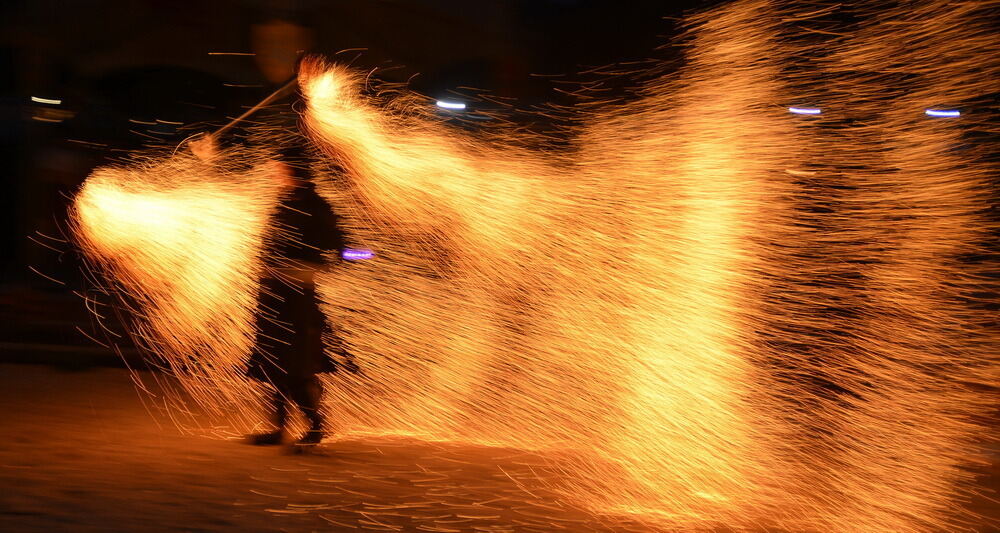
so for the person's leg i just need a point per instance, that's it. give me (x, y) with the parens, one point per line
(279, 409)
(279, 404)
(306, 393)
(265, 359)
(308, 389)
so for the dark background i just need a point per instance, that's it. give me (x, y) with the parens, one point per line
(131, 75)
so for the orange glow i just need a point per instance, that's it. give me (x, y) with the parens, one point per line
(708, 310)
(181, 239)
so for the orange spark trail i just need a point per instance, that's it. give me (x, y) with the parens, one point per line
(714, 311)
(181, 238)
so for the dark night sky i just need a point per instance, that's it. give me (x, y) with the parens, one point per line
(114, 62)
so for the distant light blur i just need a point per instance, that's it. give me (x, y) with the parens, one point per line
(450, 105)
(41, 100)
(943, 112)
(356, 254)
(805, 110)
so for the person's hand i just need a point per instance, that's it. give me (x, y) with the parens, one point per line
(279, 171)
(204, 147)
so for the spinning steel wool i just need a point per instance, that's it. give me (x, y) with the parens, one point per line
(711, 310)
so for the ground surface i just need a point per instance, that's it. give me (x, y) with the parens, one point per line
(81, 452)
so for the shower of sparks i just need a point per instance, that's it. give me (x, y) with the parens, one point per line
(712, 314)
(181, 238)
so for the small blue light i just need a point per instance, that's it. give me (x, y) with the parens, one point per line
(942, 112)
(450, 105)
(805, 110)
(356, 254)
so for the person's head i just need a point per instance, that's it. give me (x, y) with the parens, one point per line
(277, 45)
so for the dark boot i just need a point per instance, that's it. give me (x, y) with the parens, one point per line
(273, 438)
(311, 438)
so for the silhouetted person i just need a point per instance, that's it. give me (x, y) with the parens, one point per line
(290, 346)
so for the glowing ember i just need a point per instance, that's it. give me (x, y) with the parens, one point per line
(701, 327)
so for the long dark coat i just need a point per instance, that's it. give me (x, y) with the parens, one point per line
(291, 327)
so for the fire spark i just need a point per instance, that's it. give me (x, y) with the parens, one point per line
(723, 314)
